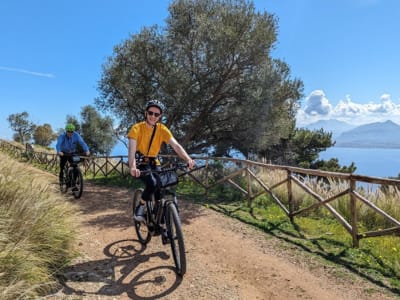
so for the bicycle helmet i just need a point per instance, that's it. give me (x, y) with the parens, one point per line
(155, 103)
(70, 127)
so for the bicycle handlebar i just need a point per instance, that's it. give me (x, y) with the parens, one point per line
(81, 154)
(175, 167)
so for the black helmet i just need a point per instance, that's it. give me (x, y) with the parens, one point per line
(155, 103)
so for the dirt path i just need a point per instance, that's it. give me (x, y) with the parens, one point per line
(226, 260)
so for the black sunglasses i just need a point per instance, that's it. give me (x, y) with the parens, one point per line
(153, 113)
(69, 131)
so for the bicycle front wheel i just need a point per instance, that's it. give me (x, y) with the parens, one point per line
(64, 181)
(175, 236)
(141, 228)
(77, 185)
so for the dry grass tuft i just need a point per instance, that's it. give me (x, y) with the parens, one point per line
(37, 230)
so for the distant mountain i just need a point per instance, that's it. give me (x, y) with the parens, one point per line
(334, 126)
(373, 135)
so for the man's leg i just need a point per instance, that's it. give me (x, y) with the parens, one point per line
(63, 161)
(150, 184)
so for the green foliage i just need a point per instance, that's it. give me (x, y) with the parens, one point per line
(22, 127)
(44, 135)
(301, 148)
(308, 144)
(97, 131)
(116, 180)
(37, 229)
(333, 166)
(212, 68)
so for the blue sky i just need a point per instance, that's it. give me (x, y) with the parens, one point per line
(345, 52)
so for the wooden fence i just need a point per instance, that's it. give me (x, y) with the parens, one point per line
(297, 191)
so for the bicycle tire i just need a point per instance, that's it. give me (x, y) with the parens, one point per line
(142, 230)
(64, 181)
(175, 236)
(78, 180)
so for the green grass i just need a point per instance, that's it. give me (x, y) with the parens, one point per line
(114, 180)
(376, 259)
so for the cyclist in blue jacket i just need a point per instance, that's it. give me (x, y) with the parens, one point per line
(67, 143)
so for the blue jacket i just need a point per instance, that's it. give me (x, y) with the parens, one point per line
(68, 145)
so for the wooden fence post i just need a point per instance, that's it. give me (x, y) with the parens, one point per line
(206, 193)
(248, 178)
(353, 213)
(290, 194)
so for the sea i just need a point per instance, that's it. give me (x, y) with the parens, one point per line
(374, 162)
(119, 149)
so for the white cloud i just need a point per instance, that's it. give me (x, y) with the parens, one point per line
(317, 104)
(317, 107)
(348, 108)
(27, 72)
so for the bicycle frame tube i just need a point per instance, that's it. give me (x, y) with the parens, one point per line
(159, 211)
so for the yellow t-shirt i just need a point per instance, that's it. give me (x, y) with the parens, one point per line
(141, 132)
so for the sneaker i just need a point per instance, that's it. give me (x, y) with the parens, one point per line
(139, 214)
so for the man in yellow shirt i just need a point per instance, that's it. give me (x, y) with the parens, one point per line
(146, 137)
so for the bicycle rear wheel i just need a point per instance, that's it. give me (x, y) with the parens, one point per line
(142, 230)
(175, 235)
(77, 185)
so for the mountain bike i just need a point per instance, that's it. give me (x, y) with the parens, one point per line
(72, 176)
(162, 215)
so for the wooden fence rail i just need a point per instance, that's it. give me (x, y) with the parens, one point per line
(297, 191)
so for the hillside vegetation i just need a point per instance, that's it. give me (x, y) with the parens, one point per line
(37, 230)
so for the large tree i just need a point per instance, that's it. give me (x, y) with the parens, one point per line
(97, 131)
(211, 65)
(22, 127)
(44, 135)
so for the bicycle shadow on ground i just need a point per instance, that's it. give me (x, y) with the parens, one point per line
(126, 271)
